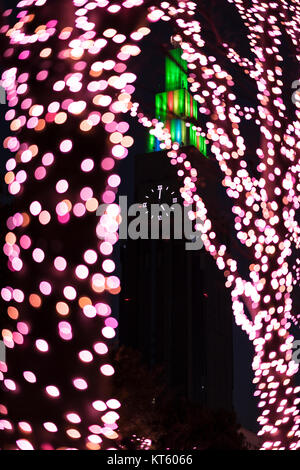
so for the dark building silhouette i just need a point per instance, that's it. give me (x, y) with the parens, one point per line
(174, 307)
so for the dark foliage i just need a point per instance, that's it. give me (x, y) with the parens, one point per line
(151, 410)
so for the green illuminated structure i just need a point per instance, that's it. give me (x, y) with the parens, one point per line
(176, 71)
(175, 106)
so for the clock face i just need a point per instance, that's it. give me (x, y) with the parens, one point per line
(163, 195)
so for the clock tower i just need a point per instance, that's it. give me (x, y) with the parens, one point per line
(174, 307)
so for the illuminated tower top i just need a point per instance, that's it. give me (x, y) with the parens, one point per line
(176, 71)
(175, 107)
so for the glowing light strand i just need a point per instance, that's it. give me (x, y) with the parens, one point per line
(265, 232)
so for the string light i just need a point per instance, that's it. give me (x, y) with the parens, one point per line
(94, 88)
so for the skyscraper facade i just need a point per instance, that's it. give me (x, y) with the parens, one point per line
(174, 307)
